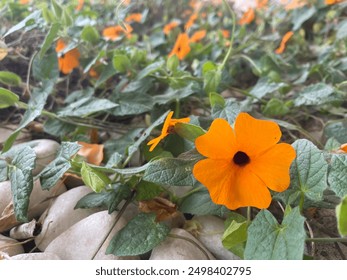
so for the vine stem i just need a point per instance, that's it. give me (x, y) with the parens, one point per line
(227, 56)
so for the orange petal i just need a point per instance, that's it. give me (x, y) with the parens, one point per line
(218, 142)
(154, 142)
(284, 41)
(344, 147)
(247, 17)
(230, 186)
(272, 166)
(254, 136)
(198, 36)
(181, 47)
(93, 153)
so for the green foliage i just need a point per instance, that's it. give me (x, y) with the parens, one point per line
(10, 78)
(7, 98)
(94, 179)
(268, 240)
(338, 174)
(139, 236)
(341, 215)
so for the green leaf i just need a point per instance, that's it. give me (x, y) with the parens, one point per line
(94, 179)
(50, 175)
(172, 63)
(212, 79)
(90, 34)
(175, 94)
(121, 63)
(189, 131)
(20, 173)
(132, 103)
(338, 130)
(337, 177)
(50, 37)
(209, 66)
(139, 236)
(66, 18)
(46, 68)
(58, 10)
(35, 107)
(265, 86)
(107, 73)
(301, 15)
(341, 32)
(341, 216)
(268, 240)
(29, 20)
(308, 174)
(332, 144)
(3, 170)
(317, 94)
(276, 107)
(147, 190)
(229, 112)
(200, 203)
(149, 69)
(235, 234)
(86, 106)
(216, 100)
(7, 98)
(171, 172)
(10, 78)
(58, 128)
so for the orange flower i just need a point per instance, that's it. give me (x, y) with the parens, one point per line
(242, 163)
(168, 127)
(190, 21)
(168, 27)
(247, 17)
(134, 17)
(114, 32)
(225, 33)
(262, 3)
(293, 4)
(197, 36)
(69, 60)
(93, 153)
(79, 5)
(24, 2)
(181, 47)
(284, 41)
(344, 147)
(331, 2)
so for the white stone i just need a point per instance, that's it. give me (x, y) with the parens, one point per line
(61, 215)
(210, 232)
(35, 256)
(10, 246)
(176, 248)
(89, 238)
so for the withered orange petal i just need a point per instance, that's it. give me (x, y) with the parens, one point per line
(218, 142)
(254, 136)
(272, 166)
(93, 153)
(232, 187)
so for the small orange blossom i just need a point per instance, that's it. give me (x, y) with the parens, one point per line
(79, 5)
(247, 17)
(114, 32)
(344, 147)
(243, 162)
(181, 47)
(137, 17)
(190, 21)
(69, 60)
(168, 127)
(168, 27)
(197, 36)
(284, 41)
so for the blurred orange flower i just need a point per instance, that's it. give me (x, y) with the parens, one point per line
(181, 47)
(93, 153)
(190, 21)
(225, 33)
(79, 5)
(284, 41)
(168, 27)
(331, 2)
(293, 4)
(168, 127)
(137, 17)
(247, 17)
(197, 36)
(262, 3)
(69, 60)
(344, 148)
(114, 32)
(243, 162)
(24, 2)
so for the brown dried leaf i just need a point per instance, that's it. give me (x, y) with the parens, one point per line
(163, 208)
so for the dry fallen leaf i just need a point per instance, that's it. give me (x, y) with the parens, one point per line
(3, 50)
(163, 208)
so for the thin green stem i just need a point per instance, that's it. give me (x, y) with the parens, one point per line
(250, 61)
(193, 191)
(227, 56)
(301, 202)
(177, 108)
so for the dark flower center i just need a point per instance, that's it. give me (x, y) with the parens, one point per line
(241, 158)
